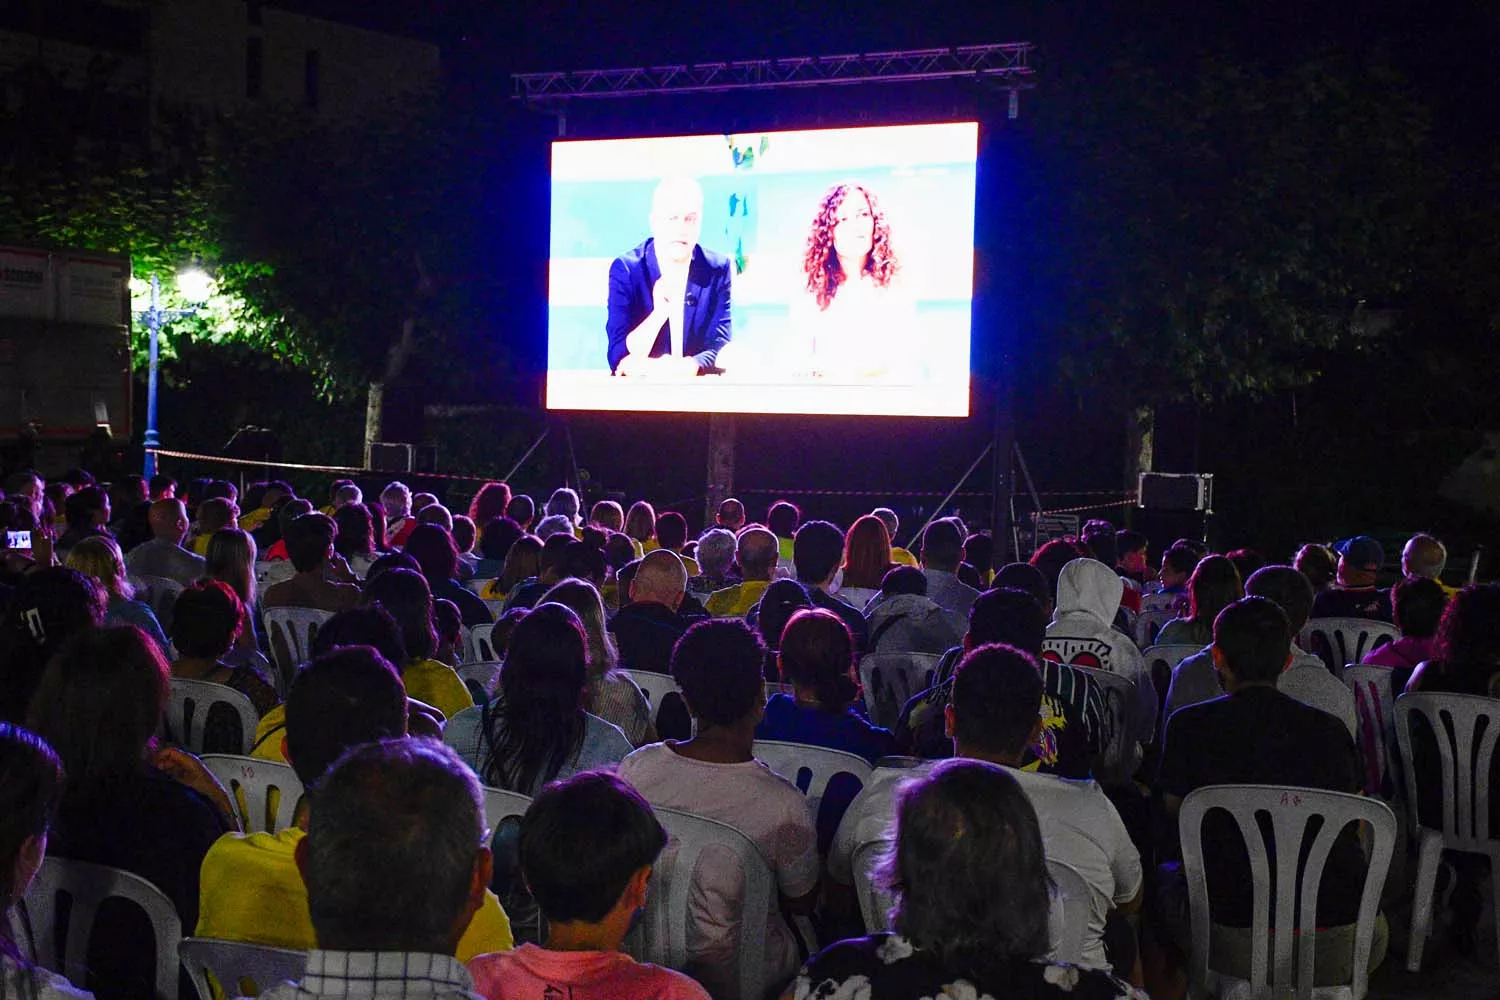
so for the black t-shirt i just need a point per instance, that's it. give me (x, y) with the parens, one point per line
(1361, 602)
(1259, 736)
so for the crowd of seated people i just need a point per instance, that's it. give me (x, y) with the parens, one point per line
(1034, 734)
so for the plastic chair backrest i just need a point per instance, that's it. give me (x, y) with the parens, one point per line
(497, 608)
(1341, 641)
(481, 675)
(1273, 920)
(290, 632)
(479, 649)
(662, 694)
(188, 708)
(1147, 625)
(814, 770)
(875, 902)
(665, 925)
(1115, 738)
(272, 571)
(87, 886)
(1375, 726)
(1453, 719)
(890, 679)
(243, 969)
(250, 782)
(498, 804)
(1068, 922)
(161, 593)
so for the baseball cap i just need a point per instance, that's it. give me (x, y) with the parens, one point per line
(1362, 552)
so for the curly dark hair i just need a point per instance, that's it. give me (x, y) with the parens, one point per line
(821, 263)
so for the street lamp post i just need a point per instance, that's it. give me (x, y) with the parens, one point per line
(154, 317)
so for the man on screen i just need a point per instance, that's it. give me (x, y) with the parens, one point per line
(669, 297)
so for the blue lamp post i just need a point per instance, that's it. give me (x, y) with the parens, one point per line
(196, 286)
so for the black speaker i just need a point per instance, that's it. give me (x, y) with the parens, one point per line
(1174, 491)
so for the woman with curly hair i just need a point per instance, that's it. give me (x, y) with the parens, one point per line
(854, 320)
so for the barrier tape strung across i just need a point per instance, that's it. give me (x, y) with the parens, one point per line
(857, 493)
(1088, 506)
(353, 470)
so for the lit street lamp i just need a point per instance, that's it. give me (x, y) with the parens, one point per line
(196, 286)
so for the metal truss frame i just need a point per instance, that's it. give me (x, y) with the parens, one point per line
(1007, 65)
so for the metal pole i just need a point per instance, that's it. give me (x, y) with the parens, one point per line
(153, 325)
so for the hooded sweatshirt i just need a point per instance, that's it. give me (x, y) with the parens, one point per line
(1082, 634)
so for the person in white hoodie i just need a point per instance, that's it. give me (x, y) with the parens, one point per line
(1082, 634)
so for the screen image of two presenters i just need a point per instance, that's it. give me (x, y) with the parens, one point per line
(826, 271)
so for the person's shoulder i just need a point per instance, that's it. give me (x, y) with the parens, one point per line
(714, 259)
(635, 256)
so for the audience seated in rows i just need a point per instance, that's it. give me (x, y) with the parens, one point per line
(816, 553)
(650, 623)
(404, 593)
(128, 803)
(587, 847)
(903, 619)
(99, 557)
(1072, 711)
(1254, 734)
(942, 550)
(1417, 605)
(309, 543)
(817, 659)
(164, 555)
(612, 695)
(1082, 633)
(395, 870)
(31, 786)
(432, 547)
(757, 552)
(206, 621)
(1177, 565)
(715, 774)
(1214, 585)
(1466, 652)
(1354, 594)
(867, 559)
(715, 558)
(995, 715)
(535, 729)
(251, 889)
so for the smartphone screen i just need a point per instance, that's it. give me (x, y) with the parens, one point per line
(19, 541)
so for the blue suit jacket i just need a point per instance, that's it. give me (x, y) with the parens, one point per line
(705, 311)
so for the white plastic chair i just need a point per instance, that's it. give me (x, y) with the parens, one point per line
(1160, 662)
(1119, 737)
(479, 649)
(241, 968)
(810, 769)
(483, 674)
(1148, 624)
(665, 923)
(161, 593)
(875, 902)
(1068, 918)
(188, 708)
(658, 689)
(1453, 719)
(890, 679)
(1342, 641)
(1375, 726)
(250, 781)
(498, 804)
(86, 886)
(1273, 964)
(497, 608)
(271, 572)
(290, 632)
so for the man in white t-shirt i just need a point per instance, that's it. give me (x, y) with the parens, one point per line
(994, 715)
(718, 666)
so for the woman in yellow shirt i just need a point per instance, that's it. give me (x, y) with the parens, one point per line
(404, 593)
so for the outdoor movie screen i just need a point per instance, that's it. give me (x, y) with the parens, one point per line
(826, 271)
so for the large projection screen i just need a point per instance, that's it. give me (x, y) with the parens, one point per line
(811, 272)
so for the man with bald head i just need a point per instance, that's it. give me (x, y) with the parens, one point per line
(669, 297)
(757, 552)
(649, 625)
(1424, 557)
(164, 555)
(731, 515)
